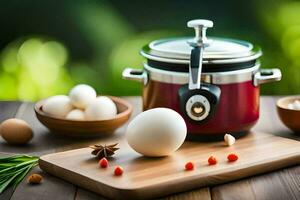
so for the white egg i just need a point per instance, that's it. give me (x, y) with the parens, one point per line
(75, 114)
(59, 105)
(81, 95)
(100, 109)
(156, 132)
(297, 105)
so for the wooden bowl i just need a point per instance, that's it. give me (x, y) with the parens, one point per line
(81, 128)
(289, 117)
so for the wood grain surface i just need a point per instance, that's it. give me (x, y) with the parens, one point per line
(286, 181)
(285, 184)
(154, 177)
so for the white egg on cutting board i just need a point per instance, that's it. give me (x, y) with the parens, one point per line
(101, 108)
(81, 95)
(58, 106)
(156, 132)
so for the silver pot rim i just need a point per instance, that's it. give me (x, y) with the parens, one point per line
(255, 74)
(217, 78)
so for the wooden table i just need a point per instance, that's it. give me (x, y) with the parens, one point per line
(281, 184)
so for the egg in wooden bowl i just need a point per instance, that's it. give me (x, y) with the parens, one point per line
(288, 109)
(81, 127)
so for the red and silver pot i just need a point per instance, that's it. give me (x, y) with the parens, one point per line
(213, 83)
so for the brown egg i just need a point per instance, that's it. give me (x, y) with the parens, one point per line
(16, 131)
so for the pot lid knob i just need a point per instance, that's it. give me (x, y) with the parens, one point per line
(200, 26)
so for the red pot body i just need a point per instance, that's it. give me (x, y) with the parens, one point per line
(237, 111)
(216, 89)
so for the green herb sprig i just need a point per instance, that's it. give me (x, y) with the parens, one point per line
(13, 169)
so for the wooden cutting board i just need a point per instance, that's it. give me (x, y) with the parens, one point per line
(155, 177)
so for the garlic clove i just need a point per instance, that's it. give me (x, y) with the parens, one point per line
(229, 139)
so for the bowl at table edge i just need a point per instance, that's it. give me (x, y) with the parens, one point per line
(289, 117)
(82, 128)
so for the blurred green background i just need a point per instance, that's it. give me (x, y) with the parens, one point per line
(48, 46)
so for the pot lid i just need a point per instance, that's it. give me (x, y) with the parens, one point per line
(220, 50)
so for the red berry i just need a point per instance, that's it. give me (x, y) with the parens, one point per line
(189, 166)
(103, 163)
(118, 171)
(232, 157)
(212, 160)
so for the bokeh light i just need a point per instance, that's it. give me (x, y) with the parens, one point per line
(92, 42)
(34, 69)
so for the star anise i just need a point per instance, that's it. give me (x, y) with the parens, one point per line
(104, 151)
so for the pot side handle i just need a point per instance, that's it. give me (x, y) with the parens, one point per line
(266, 76)
(139, 75)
